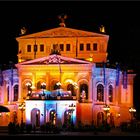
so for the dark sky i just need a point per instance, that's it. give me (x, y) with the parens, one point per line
(121, 20)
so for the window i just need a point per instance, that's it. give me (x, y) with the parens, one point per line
(110, 93)
(8, 94)
(81, 47)
(67, 47)
(55, 46)
(15, 92)
(100, 92)
(94, 46)
(42, 48)
(70, 87)
(83, 91)
(88, 47)
(28, 48)
(0, 95)
(62, 47)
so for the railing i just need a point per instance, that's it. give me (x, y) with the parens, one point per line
(40, 97)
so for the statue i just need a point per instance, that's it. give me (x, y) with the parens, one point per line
(62, 18)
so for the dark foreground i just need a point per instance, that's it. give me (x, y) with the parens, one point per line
(112, 132)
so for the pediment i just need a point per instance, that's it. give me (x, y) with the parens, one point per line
(54, 59)
(62, 32)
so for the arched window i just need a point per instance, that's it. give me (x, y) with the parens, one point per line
(70, 87)
(84, 91)
(8, 96)
(15, 92)
(53, 117)
(0, 95)
(56, 86)
(100, 92)
(43, 85)
(110, 93)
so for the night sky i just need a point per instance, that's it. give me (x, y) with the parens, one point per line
(121, 20)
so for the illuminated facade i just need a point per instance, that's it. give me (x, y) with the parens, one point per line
(62, 75)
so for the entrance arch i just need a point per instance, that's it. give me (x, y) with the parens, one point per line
(35, 117)
(53, 117)
(100, 118)
(67, 117)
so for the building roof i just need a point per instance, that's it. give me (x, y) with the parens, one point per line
(54, 59)
(61, 32)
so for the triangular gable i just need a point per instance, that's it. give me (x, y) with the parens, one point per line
(54, 59)
(62, 32)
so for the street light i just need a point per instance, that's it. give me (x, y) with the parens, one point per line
(132, 111)
(22, 108)
(43, 86)
(106, 108)
(72, 108)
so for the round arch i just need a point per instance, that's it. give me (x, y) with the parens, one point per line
(71, 85)
(67, 117)
(83, 89)
(53, 85)
(52, 116)
(35, 117)
(24, 83)
(38, 83)
(100, 118)
(99, 91)
(25, 88)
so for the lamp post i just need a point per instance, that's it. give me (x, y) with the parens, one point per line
(72, 108)
(22, 108)
(132, 111)
(43, 86)
(106, 108)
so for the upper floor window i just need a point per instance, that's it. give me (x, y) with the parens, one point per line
(88, 46)
(70, 88)
(55, 46)
(67, 47)
(42, 48)
(110, 94)
(81, 47)
(28, 48)
(62, 47)
(100, 92)
(83, 91)
(94, 46)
